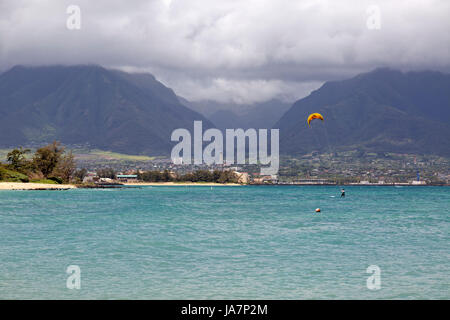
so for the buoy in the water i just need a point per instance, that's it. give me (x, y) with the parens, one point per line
(318, 210)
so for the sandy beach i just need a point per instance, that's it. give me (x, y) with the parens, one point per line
(207, 184)
(44, 186)
(33, 186)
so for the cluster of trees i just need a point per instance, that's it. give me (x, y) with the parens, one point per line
(79, 175)
(49, 162)
(107, 173)
(156, 176)
(54, 163)
(196, 176)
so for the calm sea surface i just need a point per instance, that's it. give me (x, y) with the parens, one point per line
(226, 243)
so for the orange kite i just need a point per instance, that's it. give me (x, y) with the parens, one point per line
(314, 116)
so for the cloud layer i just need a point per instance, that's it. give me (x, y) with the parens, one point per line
(230, 50)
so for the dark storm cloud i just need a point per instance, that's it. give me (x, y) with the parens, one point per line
(246, 50)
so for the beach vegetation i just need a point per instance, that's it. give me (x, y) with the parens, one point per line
(64, 168)
(17, 159)
(197, 176)
(107, 173)
(46, 158)
(80, 174)
(49, 163)
(11, 176)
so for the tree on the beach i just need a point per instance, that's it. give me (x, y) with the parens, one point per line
(46, 158)
(16, 159)
(80, 174)
(48, 162)
(216, 175)
(227, 177)
(107, 173)
(166, 176)
(65, 167)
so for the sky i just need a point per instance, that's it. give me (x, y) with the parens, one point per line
(244, 51)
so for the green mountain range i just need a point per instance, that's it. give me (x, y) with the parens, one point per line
(381, 111)
(90, 105)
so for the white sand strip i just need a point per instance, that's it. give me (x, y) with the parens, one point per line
(33, 186)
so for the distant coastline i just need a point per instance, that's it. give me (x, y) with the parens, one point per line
(45, 186)
(206, 184)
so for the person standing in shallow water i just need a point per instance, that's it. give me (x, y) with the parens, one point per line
(342, 193)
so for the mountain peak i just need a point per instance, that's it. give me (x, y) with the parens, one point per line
(89, 104)
(384, 110)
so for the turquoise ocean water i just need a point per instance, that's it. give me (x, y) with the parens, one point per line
(226, 243)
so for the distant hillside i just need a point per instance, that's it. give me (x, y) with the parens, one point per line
(380, 111)
(107, 109)
(232, 115)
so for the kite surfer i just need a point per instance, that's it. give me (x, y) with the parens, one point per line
(342, 193)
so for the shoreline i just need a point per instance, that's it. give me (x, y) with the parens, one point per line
(34, 186)
(44, 186)
(206, 184)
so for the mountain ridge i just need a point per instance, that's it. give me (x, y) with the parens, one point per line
(384, 110)
(107, 109)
